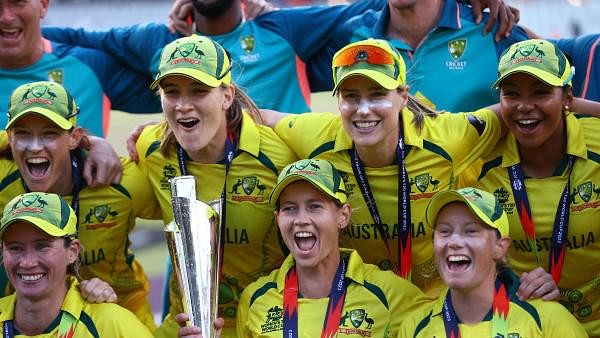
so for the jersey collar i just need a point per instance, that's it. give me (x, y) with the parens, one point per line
(355, 270)
(576, 144)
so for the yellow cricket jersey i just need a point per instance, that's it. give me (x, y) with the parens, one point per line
(94, 320)
(580, 281)
(443, 149)
(252, 245)
(106, 217)
(376, 303)
(526, 319)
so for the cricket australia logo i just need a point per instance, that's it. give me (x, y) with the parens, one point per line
(422, 182)
(168, 173)
(56, 76)
(359, 323)
(101, 216)
(38, 94)
(183, 53)
(247, 43)
(456, 49)
(273, 320)
(251, 189)
(29, 203)
(585, 196)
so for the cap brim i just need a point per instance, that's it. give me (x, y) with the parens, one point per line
(46, 113)
(189, 73)
(443, 198)
(293, 178)
(46, 227)
(543, 76)
(383, 80)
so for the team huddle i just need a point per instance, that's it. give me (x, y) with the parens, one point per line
(416, 210)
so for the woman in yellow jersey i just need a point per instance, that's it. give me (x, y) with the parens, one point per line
(470, 243)
(546, 174)
(211, 131)
(40, 251)
(45, 154)
(321, 289)
(394, 154)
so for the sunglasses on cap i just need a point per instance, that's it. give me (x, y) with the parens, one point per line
(364, 53)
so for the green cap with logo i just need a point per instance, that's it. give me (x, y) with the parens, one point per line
(483, 204)
(374, 58)
(536, 57)
(49, 212)
(48, 99)
(320, 173)
(197, 57)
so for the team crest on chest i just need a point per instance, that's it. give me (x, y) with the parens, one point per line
(248, 188)
(56, 76)
(248, 44)
(585, 196)
(425, 184)
(356, 321)
(456, 49)
(100, 216)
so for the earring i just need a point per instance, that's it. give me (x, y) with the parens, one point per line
(566, 107)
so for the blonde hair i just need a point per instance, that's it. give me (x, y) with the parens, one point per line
(241, 102)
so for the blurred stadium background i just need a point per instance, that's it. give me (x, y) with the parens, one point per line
(550, 18)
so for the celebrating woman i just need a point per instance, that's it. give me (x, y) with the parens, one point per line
(319, 282)
(210, 131)
(544, 174)
(40, 252)
(470, 241)
(45, 154)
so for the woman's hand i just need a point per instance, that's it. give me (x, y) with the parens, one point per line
(96, 290)
(194, 331)
(537, 284)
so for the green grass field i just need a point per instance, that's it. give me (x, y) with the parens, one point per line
(153, 256)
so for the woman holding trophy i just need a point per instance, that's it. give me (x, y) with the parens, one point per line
(211, 131)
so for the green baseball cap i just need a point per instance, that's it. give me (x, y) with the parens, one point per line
(483, 204)
(197, 57)
(48, 99)
(373, 58)
(49, 212)
(320, 173)
(536, 57)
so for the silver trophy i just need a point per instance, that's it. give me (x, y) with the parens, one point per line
(193, 239)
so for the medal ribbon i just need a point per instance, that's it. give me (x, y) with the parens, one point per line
(231, 143)
(334, 307)
(500, 307)
(561, 220)
(403, 267)
(66, 327)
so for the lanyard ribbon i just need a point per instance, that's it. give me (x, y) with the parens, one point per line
(66, 327)
(561, 220)
(231, 143)
(403, 267)
(500, 307)
(334, 307)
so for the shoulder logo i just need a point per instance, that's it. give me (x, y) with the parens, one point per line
(56, 76)
(247, 43)
(168, 172)
(457, 48)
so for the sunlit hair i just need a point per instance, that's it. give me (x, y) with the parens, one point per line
(241, 101)
(419, 110)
